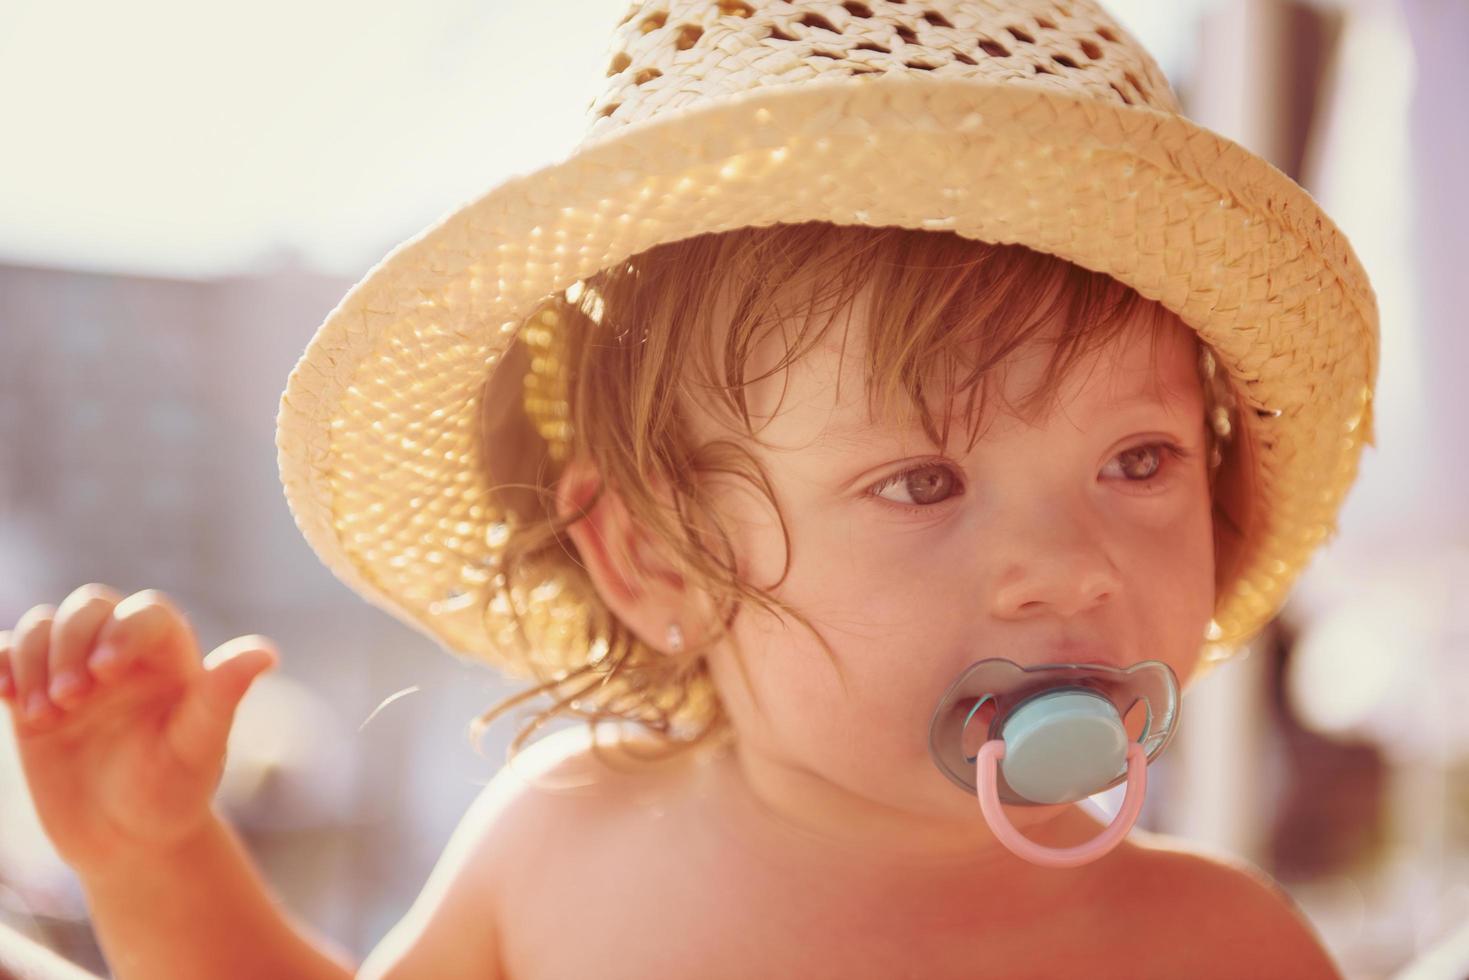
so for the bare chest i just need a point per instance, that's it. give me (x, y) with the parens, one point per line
(711, 929)
(655, 896)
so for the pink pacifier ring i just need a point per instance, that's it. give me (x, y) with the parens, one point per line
(988, 760)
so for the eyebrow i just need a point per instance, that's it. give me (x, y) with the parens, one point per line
(853, 431)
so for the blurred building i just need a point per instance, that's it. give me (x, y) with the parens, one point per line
(138, 417)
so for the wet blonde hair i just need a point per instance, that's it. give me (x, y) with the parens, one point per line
(637, 339)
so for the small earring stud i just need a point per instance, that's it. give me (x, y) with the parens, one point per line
(675, 638)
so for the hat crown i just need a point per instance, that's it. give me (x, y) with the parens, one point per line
(669, 55)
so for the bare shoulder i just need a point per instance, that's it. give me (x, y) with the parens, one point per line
(456, 926)
(553, 781)
(564, 791)
(575, 766)
(1228, 916)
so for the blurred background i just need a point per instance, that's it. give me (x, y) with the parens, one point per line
(187, 189)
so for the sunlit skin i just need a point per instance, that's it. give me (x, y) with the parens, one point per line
(1036, 538)
(1079, 528)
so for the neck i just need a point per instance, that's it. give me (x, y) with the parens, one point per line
(799, 818)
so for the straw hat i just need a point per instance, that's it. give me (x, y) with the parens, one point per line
(1039, 123)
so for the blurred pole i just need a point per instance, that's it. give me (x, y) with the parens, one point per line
(1432, 859)
(1438, 31)
(1221, 798)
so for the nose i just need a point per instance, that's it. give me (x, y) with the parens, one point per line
(1058, 577)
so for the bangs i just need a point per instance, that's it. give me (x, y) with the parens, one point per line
(946, 315)
(942, 313)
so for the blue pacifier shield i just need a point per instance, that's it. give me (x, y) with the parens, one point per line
(1061, 744)
(1062, 725)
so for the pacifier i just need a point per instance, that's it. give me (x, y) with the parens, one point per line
(1057, 736)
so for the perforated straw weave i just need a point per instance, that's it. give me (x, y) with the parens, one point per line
(1039, 123)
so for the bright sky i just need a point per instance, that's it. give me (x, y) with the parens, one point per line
(178, 138)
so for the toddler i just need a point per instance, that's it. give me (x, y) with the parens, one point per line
(857, 344)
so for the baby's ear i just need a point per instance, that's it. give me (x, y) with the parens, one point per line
(620, 557)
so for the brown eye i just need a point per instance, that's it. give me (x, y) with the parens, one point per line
(1141, 463)
(922, 486)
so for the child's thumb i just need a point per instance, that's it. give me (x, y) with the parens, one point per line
(199, 729)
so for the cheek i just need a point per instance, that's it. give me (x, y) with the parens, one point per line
(865, 726)
(882, 624)
(835, 575)
(1173, 583)
(753, 529)
(867, 591)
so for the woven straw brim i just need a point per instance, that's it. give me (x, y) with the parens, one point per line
(377, 432)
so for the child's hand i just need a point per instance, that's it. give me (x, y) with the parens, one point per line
(122, 756)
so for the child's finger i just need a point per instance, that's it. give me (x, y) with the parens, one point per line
(73, 632)
(199, 730)
(29, 644)
(146, 625)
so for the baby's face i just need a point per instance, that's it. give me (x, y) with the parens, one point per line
(1081, 529)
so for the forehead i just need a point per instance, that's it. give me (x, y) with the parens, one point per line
(823, 394)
